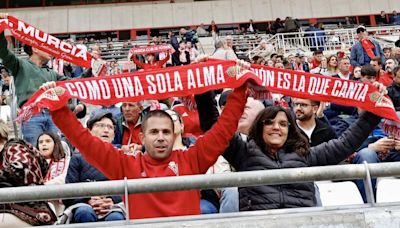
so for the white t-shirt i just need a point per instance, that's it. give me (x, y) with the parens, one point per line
(307, 131)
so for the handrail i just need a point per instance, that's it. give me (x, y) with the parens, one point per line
(332, 39)
(240, 179)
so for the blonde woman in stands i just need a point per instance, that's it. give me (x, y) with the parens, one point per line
(332, 66)
(58, 157)
(322, 68)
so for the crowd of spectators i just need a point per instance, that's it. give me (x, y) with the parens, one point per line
(281, 132)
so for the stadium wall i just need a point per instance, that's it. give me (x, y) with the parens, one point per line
(126, 16)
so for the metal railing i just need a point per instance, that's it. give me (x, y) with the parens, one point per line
(329, 40)
(240, 179)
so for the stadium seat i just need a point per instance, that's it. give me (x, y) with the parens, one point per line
(387, 190)
(339, 193)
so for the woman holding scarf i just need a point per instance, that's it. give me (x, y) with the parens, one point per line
(275, 142)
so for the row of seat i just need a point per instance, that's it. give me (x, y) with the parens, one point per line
(346, 192)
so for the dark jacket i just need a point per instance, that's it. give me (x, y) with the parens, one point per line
(322, 133)
(292, 25)
(175, 58)
(79, 170)
(394, 94)
(119, 130)
(247, 156)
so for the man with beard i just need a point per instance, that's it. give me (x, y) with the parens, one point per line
(315, 129)
(387, 77)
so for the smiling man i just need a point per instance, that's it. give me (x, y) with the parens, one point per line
(159, 160)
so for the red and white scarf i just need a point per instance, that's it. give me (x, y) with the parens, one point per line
(56, 168)
(183, 81)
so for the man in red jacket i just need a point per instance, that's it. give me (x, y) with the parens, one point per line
(159, 160)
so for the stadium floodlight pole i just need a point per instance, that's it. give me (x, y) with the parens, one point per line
(241, 179)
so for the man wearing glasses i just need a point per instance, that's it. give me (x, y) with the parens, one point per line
(314, 128)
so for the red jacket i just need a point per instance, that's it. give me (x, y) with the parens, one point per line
(386, 79)
(116, 165)
(190, 120)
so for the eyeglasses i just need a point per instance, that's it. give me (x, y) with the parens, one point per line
(302, 105)
(103, 125)
(270, 123)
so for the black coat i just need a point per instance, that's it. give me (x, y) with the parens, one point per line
(79, 170)
(394, 94)
(247, 156)
(322, 133)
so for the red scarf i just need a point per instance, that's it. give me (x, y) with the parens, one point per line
(186, 80)
(211, 75)
(56, 168)
(150, 49)
(392, 128)
(368, 47)
(34, 37)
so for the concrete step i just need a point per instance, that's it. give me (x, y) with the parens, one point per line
(379, 215)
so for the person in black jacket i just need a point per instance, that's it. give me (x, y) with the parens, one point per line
(314, 128)
(96, 208)
(275, 142)
(181, 56)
